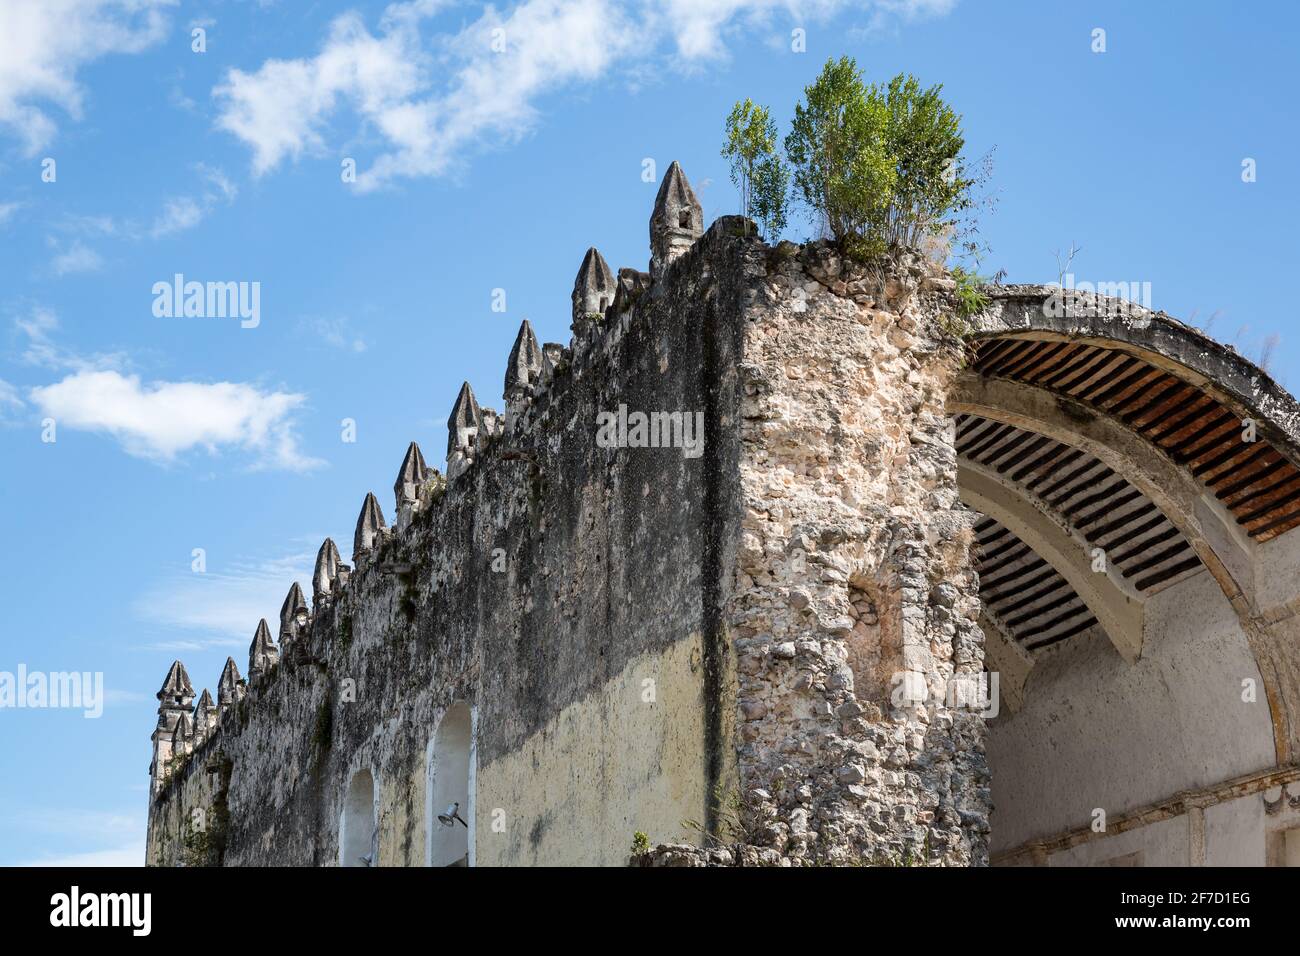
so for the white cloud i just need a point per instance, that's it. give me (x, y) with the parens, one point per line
(38, 326)
(77, 257)
(122, 832)
(9, 395)
(158, 420)
(186, 212)
(336, 333)
(177, 215)
(221, 607)
(10, 403)
(161, 420)
(7, 210)
(43, 44)
(430, 103)
(132, 854)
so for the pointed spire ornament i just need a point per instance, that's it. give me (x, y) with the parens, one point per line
(465, 421)
(410, 480)
(324, 580)
(293, 612)
(176, 691)
(370, 525)
(524, 365)
(205, 715)
(463, 429)
(676, 222)
(262, 653)
(230, 688)
(593, 292)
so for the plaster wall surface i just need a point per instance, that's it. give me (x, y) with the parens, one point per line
(1095, 731)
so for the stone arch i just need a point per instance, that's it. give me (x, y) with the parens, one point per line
(449, 783)
(358, 824)
(1083, 422)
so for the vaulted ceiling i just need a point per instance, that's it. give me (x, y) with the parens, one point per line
(1094, 506)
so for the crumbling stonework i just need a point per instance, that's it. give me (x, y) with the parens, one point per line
(761, 638)
(855, 603)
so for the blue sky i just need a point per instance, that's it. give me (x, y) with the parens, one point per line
(478, 169)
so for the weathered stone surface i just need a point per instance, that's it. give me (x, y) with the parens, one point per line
(524, 368)
(626, 637)
(593, 294)
(230, 688)
(325, 577)
(370, 528)
(262, 653)
(676, 222)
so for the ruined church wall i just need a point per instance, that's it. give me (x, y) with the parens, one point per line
(856, 602)
(616, 570)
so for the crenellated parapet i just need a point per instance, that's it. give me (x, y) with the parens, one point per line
(494, 472)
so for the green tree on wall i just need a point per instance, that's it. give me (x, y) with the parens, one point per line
(756, 168)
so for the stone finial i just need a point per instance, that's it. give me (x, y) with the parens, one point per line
(593, 292)
(183, 735)
(174, 699)
(370, 525)
(677, 220)
(524, 366)
(294, 607)
(465, 420)
(463, 428)
(176, 692)
(410, 479)
(230, 688)
(262, 653)
(325, 578)
(205, 714)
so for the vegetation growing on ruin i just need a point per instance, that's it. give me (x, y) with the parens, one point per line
(877, 166)
(757, 169)
(969, 294)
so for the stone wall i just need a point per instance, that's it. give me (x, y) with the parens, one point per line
(647, 637)
(855, 603)
(613, 577)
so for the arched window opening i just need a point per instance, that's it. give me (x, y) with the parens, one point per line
(450, 814)
(358, 832)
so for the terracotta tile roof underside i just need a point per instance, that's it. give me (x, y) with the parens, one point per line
(1253, 480)
(1024, 594)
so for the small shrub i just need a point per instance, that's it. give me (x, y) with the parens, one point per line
(971, 298)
